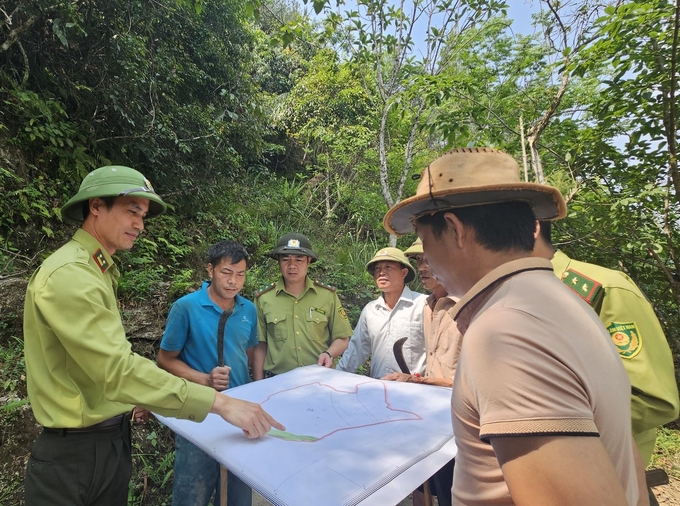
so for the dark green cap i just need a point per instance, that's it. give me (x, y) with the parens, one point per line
(293, 244)
(113, 181)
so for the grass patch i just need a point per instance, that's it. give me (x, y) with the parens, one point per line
(667, 452)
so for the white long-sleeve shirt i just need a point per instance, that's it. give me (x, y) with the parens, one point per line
(378, 329)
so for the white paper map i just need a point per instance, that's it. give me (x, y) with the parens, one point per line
(347, 437)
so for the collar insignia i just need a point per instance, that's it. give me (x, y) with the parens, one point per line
(101, 261)
(586, 288)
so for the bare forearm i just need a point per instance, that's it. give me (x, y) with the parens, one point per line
(178, 368)
(338, 347)
(440, 382)
(533, 468)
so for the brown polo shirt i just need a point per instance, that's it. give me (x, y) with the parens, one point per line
(535, 360)
(442, 339)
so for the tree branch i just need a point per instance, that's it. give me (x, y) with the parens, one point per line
(14, 34)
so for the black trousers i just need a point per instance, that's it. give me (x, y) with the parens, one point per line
(83, 469)
(441, 483)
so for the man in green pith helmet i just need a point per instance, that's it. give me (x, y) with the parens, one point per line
(396, 314)
(301, 322)
(83, 379)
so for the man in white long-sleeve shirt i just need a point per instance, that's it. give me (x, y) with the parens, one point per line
(397, 313)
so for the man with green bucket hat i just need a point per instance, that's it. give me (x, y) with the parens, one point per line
(300, 321)
(397, 313)
(83, 379)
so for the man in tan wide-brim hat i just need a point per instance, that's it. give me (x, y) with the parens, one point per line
(540, 400)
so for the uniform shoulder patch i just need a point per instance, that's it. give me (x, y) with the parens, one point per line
(586, 288)
(342, 312)
(101, 261)
(324, 285)
(264, 289)
(626, 337)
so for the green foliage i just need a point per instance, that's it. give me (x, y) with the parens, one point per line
(149, 85)
(27, 213)
(13, 373)
(667, 452)
(153, 459)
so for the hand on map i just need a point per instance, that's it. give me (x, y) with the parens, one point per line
(325, 360)
(397, 376)
(219, 378)
(248, 416)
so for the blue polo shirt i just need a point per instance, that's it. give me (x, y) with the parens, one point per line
(192, 330)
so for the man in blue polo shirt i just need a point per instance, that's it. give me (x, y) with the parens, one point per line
(189, 349)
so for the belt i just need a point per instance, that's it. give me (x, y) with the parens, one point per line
(107, 425)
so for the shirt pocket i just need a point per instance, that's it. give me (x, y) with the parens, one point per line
(276, 326)
(413, 331)
(319, 325)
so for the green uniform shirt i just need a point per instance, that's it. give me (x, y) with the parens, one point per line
(637, 334)
(298, 330)
(80, 366)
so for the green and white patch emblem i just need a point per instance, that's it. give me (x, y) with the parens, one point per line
(626, 337)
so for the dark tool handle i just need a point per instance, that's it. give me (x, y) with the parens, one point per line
(656, 477)
(220, 335)
(399, 355)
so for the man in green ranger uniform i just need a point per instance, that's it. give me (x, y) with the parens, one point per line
(83, 378)
(636, 332)
(300, 321)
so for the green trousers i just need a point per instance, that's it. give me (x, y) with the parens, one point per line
(80, 469)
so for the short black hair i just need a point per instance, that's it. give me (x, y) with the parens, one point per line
(545, 228)
(227, 249)
(108, 202)
(507, 226)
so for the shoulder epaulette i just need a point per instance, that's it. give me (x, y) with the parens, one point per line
(324, 285)
(264, 289)
(586, 288)
(100, 260)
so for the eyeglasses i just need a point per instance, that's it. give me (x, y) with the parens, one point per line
(144, 189)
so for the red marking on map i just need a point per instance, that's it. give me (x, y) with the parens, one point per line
(322, 410)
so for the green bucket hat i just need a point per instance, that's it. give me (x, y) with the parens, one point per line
(293, 244)
(392, 255)
(113, 181)
(414, 249)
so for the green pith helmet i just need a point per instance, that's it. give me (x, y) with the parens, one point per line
(113, 181)
(392, 255)
(414, 249)
(293, 244)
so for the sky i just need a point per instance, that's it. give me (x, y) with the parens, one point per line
(520, 12)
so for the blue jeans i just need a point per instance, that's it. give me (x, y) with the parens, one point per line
(197, 476)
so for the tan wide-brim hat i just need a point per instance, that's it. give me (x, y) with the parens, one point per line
(392, 255)
(471, 177)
